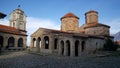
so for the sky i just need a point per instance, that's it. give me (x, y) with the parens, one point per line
(47, 13)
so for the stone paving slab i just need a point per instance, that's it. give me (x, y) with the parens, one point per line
(23, 59)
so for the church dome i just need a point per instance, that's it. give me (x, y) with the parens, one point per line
(69, 15)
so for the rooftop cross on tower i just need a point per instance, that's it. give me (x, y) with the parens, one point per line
(19, 6)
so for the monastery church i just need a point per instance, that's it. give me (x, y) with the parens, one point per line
(14, 37)
(72, 40)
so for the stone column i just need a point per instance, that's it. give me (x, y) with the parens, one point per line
(79, 50)
(15, 42)
(65, 49)
(59, 47)
(24, 42)
(51, 44)
(5, 41)
(37, 46)
(42, 43)
(31, 43)
(72, 48)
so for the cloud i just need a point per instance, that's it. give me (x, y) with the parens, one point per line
(115, 25)
(33, 24)
(4, 22)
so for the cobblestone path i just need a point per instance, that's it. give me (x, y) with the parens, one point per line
(23, 59)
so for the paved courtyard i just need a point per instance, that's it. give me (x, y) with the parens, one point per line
(23, 59)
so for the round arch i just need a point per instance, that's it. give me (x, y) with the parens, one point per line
(20, 42)
(11, 42)
(39, 42)
(1, 41)
(34, 42)
(46, 41)
(55, 43)
(62, 47)
(76, 47)
(68, 47)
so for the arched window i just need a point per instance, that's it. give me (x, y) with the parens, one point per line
(11, 42)
(1, 41)
(68, 47)
(39, 42)
(76, 48)
(55, 43)
(13, 24)
(34, 42)
(46, 39)
(20, 42)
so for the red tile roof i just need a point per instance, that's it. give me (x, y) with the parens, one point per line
(11, 30)
(74, 34)
(91, 11)
(59, 31)
(55, 30)
(95, 25)
(69, 15)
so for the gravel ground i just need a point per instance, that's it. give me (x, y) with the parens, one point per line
(23, 59)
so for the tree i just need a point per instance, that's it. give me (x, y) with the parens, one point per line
(110, 45)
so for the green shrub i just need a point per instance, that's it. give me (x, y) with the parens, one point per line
(110, 45)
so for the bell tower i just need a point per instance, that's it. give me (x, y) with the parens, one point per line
(18, 19)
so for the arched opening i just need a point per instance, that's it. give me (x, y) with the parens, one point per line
(39, 42)
(62, 47)
(34, 42)
(55, 43)
(76, 48)
(46, 39)
(68, 47)
(82, 46)
(1, 41)
(20, 42)
(13, 24)
(11, 42)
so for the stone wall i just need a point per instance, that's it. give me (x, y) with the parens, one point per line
(99, 30)
(18, 19)
(72, 46)
(91, 17)
(94, 44)
(70, 24)
(6, 36)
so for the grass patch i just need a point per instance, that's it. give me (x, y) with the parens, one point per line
(115, 53)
